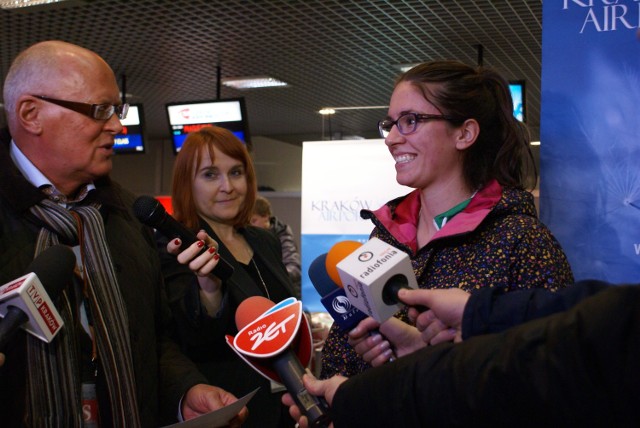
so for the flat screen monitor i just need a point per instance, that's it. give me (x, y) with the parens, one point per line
(188, 117)
(131, 138)
(518, 97)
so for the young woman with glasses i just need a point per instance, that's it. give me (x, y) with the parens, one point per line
(470, 222)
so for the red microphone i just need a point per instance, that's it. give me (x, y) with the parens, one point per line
(273, 340)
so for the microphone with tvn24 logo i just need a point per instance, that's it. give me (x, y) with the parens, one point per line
(275, 340)
(27, 302)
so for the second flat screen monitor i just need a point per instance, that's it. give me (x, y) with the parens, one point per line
(131, 137)
(188, 117)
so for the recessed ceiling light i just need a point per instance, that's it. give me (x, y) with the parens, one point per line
(406, 67)
(16, 4)
(332, 110)
(326, 111)
(253, 82)
(129, 96)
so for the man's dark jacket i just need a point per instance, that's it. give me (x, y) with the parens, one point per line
(162, 373)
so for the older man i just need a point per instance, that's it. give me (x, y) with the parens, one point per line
(113, 361)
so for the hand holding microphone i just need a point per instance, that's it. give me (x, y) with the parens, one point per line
(150, 212)
(364, 335)
(273, 340)
(373, 274)
(443, 321)
(362, 330)
(201, 257)
(322, 388)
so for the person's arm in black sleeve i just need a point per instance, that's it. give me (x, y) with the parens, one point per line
(193, 324)
(575, 368)
(492, 310)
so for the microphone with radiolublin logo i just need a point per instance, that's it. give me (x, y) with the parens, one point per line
(275, 340)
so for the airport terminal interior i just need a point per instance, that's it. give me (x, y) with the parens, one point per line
(335, 54)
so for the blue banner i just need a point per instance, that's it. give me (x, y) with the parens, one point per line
(590, 135)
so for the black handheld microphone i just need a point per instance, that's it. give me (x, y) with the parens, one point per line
(27, 302)
(151, 212)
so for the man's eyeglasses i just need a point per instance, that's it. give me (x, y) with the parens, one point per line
(94, 111)
(407, 123)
